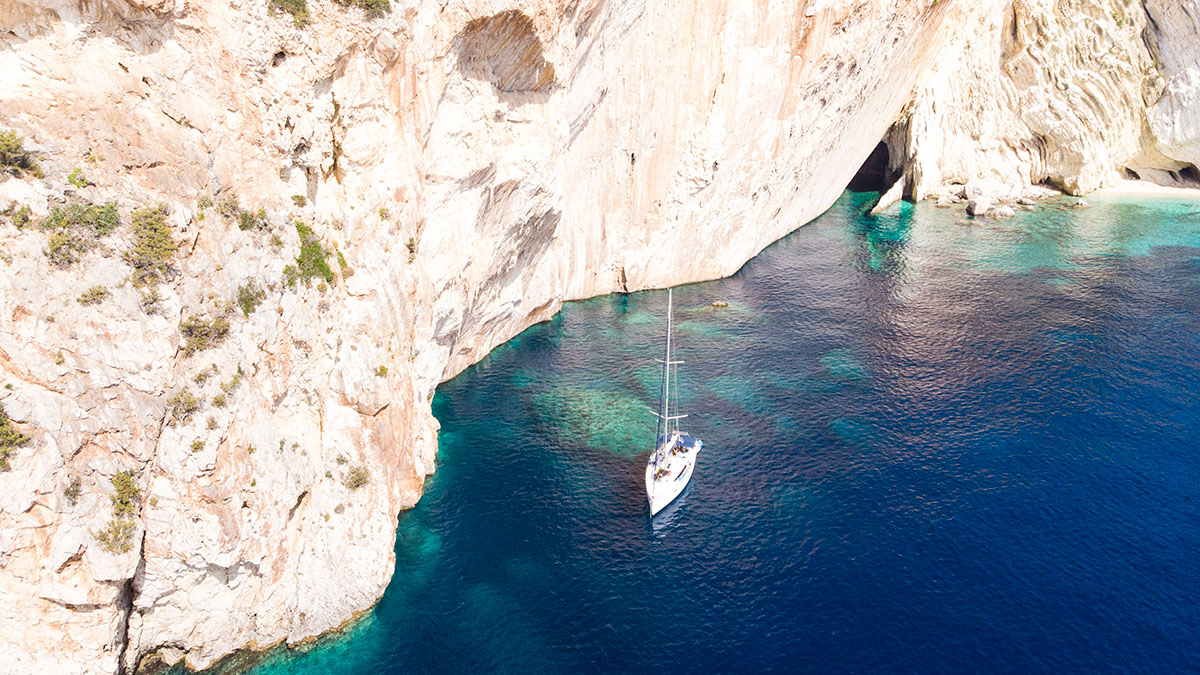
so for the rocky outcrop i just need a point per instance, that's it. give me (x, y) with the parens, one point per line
(1171, 33)
(1071, 94)
(474, 165)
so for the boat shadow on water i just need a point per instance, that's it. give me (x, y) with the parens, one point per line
(666, 520)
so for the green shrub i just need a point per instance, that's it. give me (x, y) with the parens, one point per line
(252, 220)
(233, 382)
(228, 207)
(249, 297)
(219, 401)
(22, 216)
(75, 229)
(65, 248)
(19, 216)
(384, 213)
(201, 333)
(356, 477)
(11, 438)
(94, 295)
(374, 8)
(87, 219)
(299, 200)
(311, 262)
(127, 494)
(411, 245)
(14, 159)
(381, 371)
(153, 246)
(71, 492)
(231, 210)
(346, 271)
(183, 405)
(150, 299)
(77, 178)
(297, 8)
(117, 536)
(197, 445)
(203, 203)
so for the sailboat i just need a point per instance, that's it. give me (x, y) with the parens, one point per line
(673, 461)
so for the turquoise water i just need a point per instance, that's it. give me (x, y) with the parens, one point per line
(930, 444)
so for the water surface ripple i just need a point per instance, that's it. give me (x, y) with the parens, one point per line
(930, 445)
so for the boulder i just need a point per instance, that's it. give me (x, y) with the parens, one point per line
(889, 198)
(978, 206)
(1005, 212)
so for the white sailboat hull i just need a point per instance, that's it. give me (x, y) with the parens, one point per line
(667, 477)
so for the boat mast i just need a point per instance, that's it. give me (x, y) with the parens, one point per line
(666, 381)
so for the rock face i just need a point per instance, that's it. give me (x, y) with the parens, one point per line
(1073, 94)
(474, 165)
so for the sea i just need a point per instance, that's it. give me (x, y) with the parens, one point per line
(931, 445)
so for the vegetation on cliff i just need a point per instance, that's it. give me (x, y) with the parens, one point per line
(11, 438)
(153, 246)
(14, 159)
(297, 8)
(117, 535)
(312, 260)
(201, 333)
(76, 229)
(373, 8)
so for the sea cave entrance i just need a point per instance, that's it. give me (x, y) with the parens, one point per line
(873, 175)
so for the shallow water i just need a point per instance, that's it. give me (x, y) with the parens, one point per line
(929, 445)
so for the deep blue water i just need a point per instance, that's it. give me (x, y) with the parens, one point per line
(930, 445)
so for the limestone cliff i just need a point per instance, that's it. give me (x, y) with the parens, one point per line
(474, 165)
(1069, 93)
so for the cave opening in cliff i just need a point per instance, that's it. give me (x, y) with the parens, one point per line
(873, 175)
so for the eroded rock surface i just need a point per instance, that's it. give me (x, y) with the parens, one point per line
(474, 165)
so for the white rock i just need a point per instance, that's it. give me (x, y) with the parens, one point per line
(889, 198)
(978, 206)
